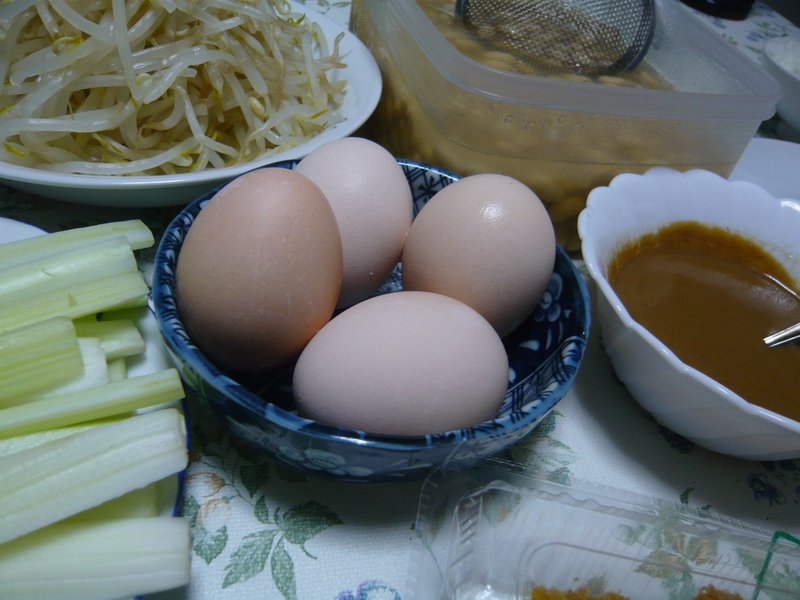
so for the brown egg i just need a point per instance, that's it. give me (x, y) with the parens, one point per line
(371, 199)
(260, 270)
(487, 241)
(406, 363)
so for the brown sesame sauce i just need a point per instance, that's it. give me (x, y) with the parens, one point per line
(712, 296)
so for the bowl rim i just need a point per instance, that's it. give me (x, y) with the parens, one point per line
(164, 305)
(779, 42)
(597, 273)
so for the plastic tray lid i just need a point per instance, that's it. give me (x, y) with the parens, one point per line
(497, 530)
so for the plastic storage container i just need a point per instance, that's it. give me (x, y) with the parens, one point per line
(496, 532)
(561, 137)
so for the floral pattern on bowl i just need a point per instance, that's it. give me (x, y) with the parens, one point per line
(544, 353)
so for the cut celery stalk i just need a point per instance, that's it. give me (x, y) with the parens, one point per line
(38, 356)
(67, 270)
(136, 503)
(137, 234)
(125, 290)
(19, 443)
(60, 478)
(117, 369)
(93, 561)
(118, 337)
(92, 403)
(95, 368)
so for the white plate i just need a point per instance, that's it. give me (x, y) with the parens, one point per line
(772, 164)
(364, 86)
(11, 230)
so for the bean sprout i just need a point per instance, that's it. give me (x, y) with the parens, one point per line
(153, 87)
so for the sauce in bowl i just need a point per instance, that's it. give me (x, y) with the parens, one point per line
(712, 296)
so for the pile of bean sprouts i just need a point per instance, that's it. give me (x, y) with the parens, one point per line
(150, 87)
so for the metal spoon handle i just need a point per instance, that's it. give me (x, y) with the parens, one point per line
(789, 334)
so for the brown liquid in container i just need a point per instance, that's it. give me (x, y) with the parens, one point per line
(712, 296)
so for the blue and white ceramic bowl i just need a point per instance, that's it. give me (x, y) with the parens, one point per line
(544, 355)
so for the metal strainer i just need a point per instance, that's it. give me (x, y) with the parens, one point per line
(593, 37)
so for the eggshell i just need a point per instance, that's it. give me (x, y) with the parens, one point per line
(404, 363)
(485, 240)
(260, 270)
(371, 199)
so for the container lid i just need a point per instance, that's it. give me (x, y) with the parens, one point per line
(498, 530)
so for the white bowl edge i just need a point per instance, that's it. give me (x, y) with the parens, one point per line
(688, 385)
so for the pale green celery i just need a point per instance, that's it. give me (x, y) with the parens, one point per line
(93, 403)
(25, 442)
(19, 443)
(55, 480)
(117, 369)
(97, 560)
(38, 356)
(118, 337)
(95, 369)
(95, 372)
(124, 290)
(134, 504)
(67, 270)
(137, 234)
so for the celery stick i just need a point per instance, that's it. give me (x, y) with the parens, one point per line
(120, 291)
(38, 356)
(67, 270)
(92, 561)
(95, 372)
(117, 369)
(60, 478)
(93, 403)
(136, 503)
(118, 337)
(135, 232)
(24, 442)
(19, 443)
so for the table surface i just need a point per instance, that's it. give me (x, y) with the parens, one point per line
(260, 531)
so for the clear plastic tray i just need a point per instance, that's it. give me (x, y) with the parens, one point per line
(495, 531)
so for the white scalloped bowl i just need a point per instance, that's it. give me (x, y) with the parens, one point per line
(677, 395)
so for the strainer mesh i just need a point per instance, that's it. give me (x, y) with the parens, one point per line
(587, 36)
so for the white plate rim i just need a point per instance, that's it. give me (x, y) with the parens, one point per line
(364, 89)
(12, 230)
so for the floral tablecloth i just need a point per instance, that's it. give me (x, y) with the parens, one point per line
(261, 531)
